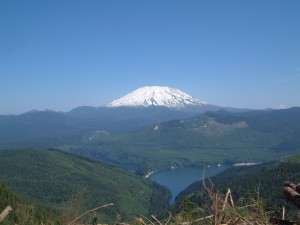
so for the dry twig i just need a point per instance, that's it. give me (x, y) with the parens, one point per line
(170, 216)
(156, 219)
(88, 212)
(5, 212)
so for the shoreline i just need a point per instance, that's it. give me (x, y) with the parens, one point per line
(150, 173)
(247, 164)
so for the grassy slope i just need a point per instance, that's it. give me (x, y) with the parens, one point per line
(212, 138)
(268, 178)
(55, 178)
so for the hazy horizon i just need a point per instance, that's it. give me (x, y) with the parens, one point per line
(59, 55)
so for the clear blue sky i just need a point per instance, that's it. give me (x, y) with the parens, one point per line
(62, 54)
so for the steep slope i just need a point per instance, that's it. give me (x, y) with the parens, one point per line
(25, 211)
(56, 178)
(268, 179)
(206, 139)
(157, 96)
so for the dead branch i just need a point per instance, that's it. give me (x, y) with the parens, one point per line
(88, 212)
(292, 196)
(170, 216)
(209, 191)
(141, 220)
(156, 219)
(204, 218)
(228, 194)
(148, 220)
(216, 209)
(295, 187)
(5, 212)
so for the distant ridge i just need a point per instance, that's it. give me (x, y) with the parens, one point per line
(157, 96)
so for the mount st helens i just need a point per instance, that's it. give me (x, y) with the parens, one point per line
(158, 127)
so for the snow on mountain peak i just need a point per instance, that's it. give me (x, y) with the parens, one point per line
(156, 96)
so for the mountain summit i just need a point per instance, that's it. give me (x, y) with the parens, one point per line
(157, 96)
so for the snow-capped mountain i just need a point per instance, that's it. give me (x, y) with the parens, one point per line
(157, 96)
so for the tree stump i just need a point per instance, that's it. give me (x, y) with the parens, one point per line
(291, 193)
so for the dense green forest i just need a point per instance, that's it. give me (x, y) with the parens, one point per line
(139, 138)
(212, 138)
(73, 185)
(44, 129)
(264, 182)
(25, 211)
(59, 186)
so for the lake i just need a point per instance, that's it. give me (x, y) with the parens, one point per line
(179, 179)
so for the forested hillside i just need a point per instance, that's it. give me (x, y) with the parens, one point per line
(265, 181)
(45, 129)
(25, 211)
(65, 181)
(216, 137)
(138, 137)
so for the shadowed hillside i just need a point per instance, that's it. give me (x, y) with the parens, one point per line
(58, 179)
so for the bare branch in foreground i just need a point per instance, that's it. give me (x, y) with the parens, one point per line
(5, 212)
(170, 216)
(88, 212)
(156, 219)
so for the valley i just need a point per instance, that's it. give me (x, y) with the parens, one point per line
(210, 138)
(149, 112)
(69, 162)
(178, 179)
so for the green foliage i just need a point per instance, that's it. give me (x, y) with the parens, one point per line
(159, 200)
(212, 138)
(56, 178)
(217, 137)
(218, 209)
(265, 181)
(25, 211)
(213, 212)
(44, 129)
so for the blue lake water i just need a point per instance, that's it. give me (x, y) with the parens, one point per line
(179, 179)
